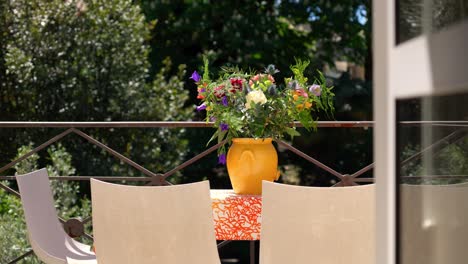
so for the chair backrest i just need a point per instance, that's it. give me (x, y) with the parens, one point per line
(317, 224)
(433, 223)
(45, 232)
(153, 224)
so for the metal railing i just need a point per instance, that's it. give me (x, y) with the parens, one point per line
(154, 178)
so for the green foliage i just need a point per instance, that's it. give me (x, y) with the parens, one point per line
(167, 96)
(453, 160)
(66, 193)
(298, 70)
(83, 61)
(27, 165)
(256, 106)
(13, 237)
(254, 33)
(73, 62)
(13, 244)
(450, 161)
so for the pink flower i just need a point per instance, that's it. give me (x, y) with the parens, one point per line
(271, 78)
(256, 78)
(219, 91)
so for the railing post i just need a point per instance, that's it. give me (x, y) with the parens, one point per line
(252, 252)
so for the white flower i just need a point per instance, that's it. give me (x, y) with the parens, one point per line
(257, 97)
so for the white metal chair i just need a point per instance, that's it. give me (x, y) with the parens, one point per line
(317, 224)
(49, 241)
(153, 224)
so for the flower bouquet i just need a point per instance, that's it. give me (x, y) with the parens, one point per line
(254, 105)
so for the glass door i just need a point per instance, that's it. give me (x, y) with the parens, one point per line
(432, 179)
(421, 115)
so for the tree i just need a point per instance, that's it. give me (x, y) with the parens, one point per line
(78, 60)
(257, 33)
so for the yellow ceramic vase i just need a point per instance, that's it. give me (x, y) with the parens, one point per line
(249, 161)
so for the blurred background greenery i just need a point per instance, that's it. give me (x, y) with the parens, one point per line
(123, 60)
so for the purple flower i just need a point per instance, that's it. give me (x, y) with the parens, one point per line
(195, 76)
(202, 90)
(315, 89)
(224, 126)
(212, 119)
(201, 107)
(224, 101)
(222, 159)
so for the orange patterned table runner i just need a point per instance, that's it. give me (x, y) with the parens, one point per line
(236, 217)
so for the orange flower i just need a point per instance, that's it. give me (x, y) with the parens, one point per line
(306, 105)
(299, 95)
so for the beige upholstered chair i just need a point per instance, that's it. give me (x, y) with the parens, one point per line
(434, 226)
(317, 224)
(48, 239)
(153, 224)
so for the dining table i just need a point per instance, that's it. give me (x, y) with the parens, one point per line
(236, 217)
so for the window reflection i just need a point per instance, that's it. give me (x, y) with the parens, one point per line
(416, 17)
(432, 171)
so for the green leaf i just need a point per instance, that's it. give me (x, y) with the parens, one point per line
(221, 136)
(215, 134)
(292, 132)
